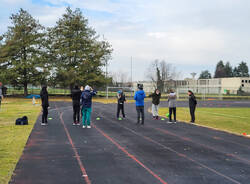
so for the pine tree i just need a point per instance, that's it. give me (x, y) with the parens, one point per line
(242, 70)
(228, 70)
(220, 70)
(79, 55)
(205, 75)
(22, 51)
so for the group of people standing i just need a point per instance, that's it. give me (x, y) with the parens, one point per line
(156, 96)
(82, 103)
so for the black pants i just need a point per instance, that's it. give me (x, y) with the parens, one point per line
(192, 113)
(140, 114)
(172, 110)
(76, 113)
(45, 114)
(120, 107)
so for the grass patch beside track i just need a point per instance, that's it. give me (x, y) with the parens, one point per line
(235, 120)
(13, 138)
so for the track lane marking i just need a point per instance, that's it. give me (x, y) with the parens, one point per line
(177, 153)
(130, 155)
(82, 168)
(203, 145)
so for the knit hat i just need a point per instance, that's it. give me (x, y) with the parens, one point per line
(87, 88)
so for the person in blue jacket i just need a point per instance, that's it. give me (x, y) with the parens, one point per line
(86, 100)
(139, 101)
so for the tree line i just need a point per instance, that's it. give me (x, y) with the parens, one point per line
(226, 70)
(68, 53)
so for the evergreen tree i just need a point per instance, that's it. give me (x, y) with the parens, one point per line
(79, 55)
(242, 70)
(220, 70)
(22, 51)
(228, 70)
(205, 75)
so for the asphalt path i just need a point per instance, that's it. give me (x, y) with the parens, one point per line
(122, 152)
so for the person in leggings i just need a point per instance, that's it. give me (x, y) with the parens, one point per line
(76, 96)
(45, 104)
(172, 106)
(192, 105)
(139, 101)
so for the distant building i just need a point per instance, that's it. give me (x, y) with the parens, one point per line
(232, 85)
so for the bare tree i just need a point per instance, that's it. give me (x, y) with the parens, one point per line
(120, 77)
(159, 72)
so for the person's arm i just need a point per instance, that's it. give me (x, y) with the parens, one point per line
(135, 97)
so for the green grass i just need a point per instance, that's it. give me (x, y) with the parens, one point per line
(234, 120)
(13, 138)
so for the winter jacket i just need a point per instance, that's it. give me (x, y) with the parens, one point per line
(76, 96)
(121, 98)
(172, 100)
(45, 98)
(86, 98)
(192, 100)
(139, 98)
(156, 98)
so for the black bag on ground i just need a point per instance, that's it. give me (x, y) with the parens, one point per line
(22, 121)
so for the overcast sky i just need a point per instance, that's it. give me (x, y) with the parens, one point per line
(193, 35)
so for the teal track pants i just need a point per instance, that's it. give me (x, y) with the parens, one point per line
(86, 114)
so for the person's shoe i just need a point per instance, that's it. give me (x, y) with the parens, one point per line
(43, 124)
(77, 123)
(83, 126)
(154, 117)
(157, 117)
(174, 122)
(74, 123)
(169, 122)
(89, 126)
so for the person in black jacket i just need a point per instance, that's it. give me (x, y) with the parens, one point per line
(76, 96)
(45, 104)
(192, 105)
(155, 103)
(121, 98)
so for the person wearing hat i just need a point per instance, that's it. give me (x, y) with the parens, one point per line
(1, 93)
(86, 99)
(121, 99)
(45, 104)
(76, 96)
(139, 102)
(192, 105)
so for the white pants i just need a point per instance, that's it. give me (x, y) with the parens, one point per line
(155, 109)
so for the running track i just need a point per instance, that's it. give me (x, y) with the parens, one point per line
(121, 152)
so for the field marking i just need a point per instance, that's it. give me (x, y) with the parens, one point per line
(177, 153)
(130, 155)
(83, 170)
(203, 145)
(219, 114)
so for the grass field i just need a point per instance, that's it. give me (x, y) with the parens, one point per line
(235, 120)
(13, 138)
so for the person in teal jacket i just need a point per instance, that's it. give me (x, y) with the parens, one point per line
(139, 102)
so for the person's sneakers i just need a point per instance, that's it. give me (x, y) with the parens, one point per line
(174, 122)
(77, 123)
(43, 124)
(169, 122)
(74, 123)
(83, 126)
(157, 117)
(89, 126)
